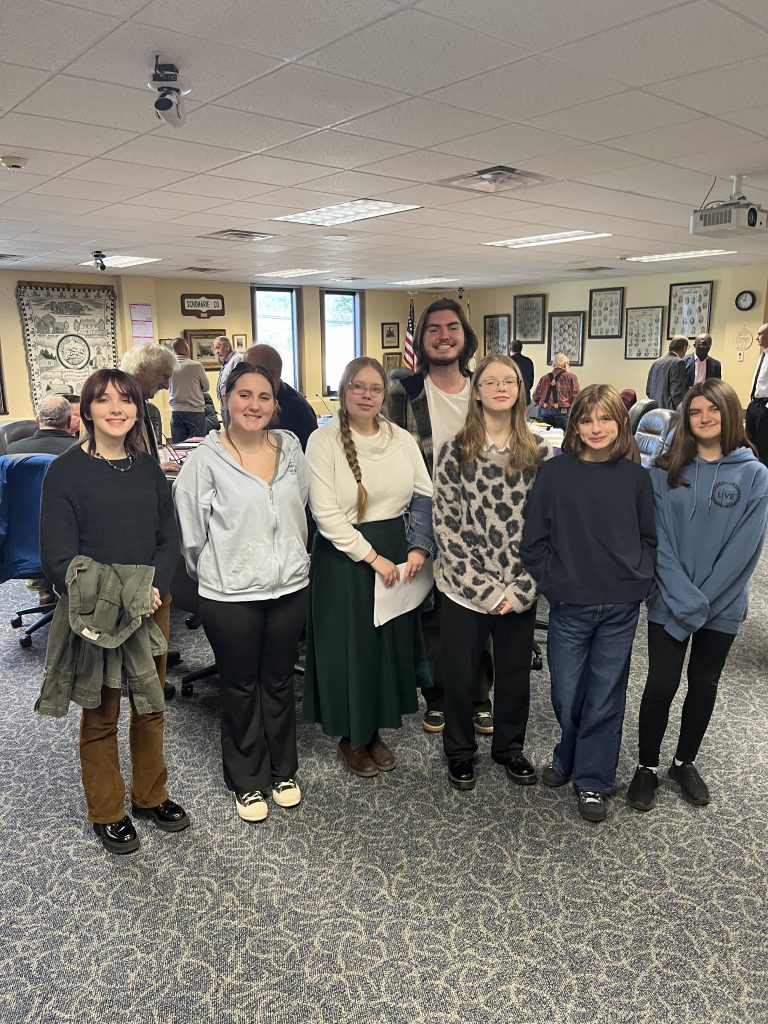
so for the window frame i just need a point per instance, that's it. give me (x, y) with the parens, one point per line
(298, 326)
(359, 307)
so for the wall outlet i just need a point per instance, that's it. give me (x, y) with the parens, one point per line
(739, 357)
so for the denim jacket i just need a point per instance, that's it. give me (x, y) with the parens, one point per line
(419, 534)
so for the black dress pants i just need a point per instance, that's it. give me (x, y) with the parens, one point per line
(482, 673)
(709, 650)
(255, 647)
(463, 637)
(756, 423)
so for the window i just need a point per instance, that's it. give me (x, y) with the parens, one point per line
(340, 315)
(275, 324)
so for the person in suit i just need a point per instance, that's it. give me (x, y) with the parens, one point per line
(757, 410)
(52, 437)
(699, 365)
(666, 383)
(525, 366)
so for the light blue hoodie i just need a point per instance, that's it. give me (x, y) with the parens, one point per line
(244, 539)
(710, 535)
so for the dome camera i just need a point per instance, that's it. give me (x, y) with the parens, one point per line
(98, 259)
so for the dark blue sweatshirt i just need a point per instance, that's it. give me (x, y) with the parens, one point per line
(590, 535)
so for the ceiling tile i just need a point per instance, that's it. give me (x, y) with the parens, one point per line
(755, 119)
(22, 130)
(627, 112)
(175, 201)
(681, 184)
(54, 204)
(91, 102)
(219, 188)
(127, 56)
(337, 149)
(717, 90)
(527, 88)
(237, 129)
(581, 160)
(683, 140)
(542, 24)
(423, 165)
(304, 199)
(745, 159)
(355, 184)
(755, 10)
(511, 145)
(16, 83)
(301, 94)
(399, 42)
(47, 164)
(157, 151)
(268, 170)
(420, 123)
(125, 212)
(74, 189)
(284, 28)
(27, 38)
(113, 172)
(690, 38)
(117, 8)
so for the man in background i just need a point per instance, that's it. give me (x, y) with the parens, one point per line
(296, 414)
(525, 365)
(757, 410)
(189, 382)
(556, 392)
(229, 359)
(53, 435)
(700, 365)
(74, 423)
(666, 383)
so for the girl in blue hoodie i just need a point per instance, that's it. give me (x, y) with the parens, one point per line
(711, 497)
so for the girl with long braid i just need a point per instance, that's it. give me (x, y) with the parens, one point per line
(364, 471)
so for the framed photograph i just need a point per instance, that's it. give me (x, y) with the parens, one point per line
(392, 360)
(390, 335)
(643, 338)
(566, 335)
(201, 346)
(239, 342)
(690, 308)
(496, 332)
(606, 312)
(529, 319)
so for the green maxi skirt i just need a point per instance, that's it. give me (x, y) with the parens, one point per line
(359, 677)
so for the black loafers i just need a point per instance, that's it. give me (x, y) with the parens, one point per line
(168, 816)
(519, 769)
(461, 774)
(119, 837)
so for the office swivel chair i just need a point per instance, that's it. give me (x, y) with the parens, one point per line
(15, 431)
(184, 592)
(652, 433)
(21, 484)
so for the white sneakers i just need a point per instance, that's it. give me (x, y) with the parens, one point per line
(253, 806)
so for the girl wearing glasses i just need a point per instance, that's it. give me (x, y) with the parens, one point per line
(364, 473)
(240, 501)
(482, 480)
(711, 497)
(590, 542)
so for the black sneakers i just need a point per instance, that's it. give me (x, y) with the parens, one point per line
(592, 806)
(692, 787)
(642, 789)
(461, 774)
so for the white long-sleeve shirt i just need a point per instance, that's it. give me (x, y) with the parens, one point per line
(392, 471)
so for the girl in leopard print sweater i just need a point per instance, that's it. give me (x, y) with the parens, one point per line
(482, 480)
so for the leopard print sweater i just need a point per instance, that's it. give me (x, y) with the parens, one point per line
(478, 517)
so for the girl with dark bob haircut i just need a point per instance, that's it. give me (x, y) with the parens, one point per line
(93, 389)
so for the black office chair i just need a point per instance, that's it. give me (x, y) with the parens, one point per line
(638, 410)
(652, 432)
(184, 591)
(21, 483)
(15, 431)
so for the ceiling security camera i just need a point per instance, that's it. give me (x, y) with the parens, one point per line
(166, 83)
(98, 259)
(460, 292)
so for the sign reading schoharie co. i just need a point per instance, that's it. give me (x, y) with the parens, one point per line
(202, 306)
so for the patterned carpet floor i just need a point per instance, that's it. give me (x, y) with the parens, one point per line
(395, 899)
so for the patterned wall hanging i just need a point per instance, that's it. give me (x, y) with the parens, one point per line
(69, 331)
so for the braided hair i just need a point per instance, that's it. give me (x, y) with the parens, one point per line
(347, 443)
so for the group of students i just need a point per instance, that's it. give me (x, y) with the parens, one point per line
(590, 529)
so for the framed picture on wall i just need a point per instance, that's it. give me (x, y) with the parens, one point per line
(529, 319)
(606, 312)
(392, 360)
(201, 346)
(690, 308)
(566, 335)
(643, 338)
(390, 335)
(239, 342)
(496, 333)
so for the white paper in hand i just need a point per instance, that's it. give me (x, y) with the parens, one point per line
(389, 602)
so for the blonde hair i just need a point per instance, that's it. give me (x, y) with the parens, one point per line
(470, 440)
(345, 431)
(601, 396)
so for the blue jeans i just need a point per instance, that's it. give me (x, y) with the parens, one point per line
(589, 648)
(553, 417)
(187, 424)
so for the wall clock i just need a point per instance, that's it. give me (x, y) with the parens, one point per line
(745, 300)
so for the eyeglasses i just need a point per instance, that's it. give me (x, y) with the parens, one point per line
(376, 390)
(509, 384)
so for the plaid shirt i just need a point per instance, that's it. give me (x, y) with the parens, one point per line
(567, 388)
(407, 407)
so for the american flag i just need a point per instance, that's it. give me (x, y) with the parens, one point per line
(408, 350)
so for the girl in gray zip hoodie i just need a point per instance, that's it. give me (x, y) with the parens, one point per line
(240, 501)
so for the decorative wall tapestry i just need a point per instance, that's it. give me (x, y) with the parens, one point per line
(69, 331)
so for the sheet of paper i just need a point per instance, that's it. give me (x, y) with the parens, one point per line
(389, 602)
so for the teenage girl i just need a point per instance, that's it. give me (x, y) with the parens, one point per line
(482, 480)
(711, 497)
(589, 541)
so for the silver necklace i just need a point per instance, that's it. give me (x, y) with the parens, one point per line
(119, 469)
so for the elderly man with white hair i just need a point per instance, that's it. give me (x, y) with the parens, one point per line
(152, 367)
(52, 437)
(229, 359)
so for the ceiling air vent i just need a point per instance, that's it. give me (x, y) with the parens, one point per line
(9, 256)
(590, 270)
(495, 179)
(204, 270)
(234, 235)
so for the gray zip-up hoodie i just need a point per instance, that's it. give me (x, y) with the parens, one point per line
(244, 539)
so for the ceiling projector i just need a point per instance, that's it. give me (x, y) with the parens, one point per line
(736, 217)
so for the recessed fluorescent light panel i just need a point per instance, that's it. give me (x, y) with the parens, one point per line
(345, 213)
(554, 239)
(694, 254)
(124, 261)
(300, 272)
(424, 281)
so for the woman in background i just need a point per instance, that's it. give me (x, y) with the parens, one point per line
(364, 473)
